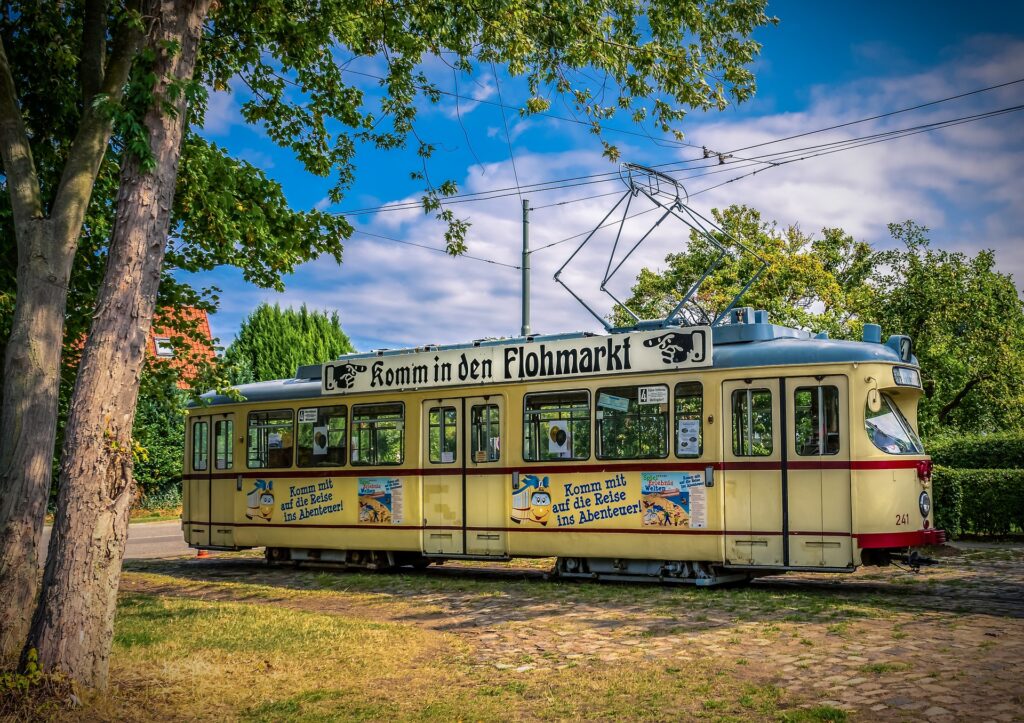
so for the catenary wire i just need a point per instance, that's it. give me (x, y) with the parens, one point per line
(610, 176)
(435, 249)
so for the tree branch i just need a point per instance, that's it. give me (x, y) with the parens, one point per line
(948, 408)
(94, 132)
(20, 169)
(94, 49)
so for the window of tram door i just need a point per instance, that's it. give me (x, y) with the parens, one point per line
(378, 434)
(201, 446)
(442, 431)
(816, 420)
(271, 437)
(485, 433)
(689, 428)
(223, 444)
(556, 426)
(323, 441)
(752, 422)
(632, 422)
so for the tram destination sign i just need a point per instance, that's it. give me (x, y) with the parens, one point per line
(631, 352)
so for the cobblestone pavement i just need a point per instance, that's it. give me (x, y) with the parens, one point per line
(942, 645)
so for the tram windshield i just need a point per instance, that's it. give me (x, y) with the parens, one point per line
(890, 431)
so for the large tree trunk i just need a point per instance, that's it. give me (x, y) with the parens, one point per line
(31, 378)
(28, 425)
(73, 625)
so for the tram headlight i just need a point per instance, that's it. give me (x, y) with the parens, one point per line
(924, 504)
(906, 377)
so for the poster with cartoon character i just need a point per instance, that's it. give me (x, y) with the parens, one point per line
(673, 499)
(259, 502)
(531, 499)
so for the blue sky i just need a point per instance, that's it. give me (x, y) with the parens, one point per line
(824, 64)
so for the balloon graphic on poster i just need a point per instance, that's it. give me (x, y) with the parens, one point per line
(559, 439)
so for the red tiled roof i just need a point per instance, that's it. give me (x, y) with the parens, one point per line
(182, 360)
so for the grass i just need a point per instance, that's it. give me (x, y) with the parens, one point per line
(881, 668)
(268, 654)
(236, 639)
(183, 658)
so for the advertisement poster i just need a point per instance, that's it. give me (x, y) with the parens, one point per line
(319, 441)
(673, 499)
(688, 438)
(381, 500)
(559, 441)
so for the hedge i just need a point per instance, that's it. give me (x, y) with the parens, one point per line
(1003, 450)
(979, 501)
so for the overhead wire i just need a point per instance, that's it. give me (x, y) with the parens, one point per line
(435, 248)
(508, 136)
(608, 177)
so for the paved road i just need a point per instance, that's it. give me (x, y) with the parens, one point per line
(148, 540)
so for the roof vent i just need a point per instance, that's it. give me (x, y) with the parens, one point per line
(761, 317)
(872, 333)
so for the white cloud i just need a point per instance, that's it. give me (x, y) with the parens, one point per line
(963, 182)
(222, 113)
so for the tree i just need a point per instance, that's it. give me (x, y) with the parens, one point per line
(818, 284)
(967, 323)
(273, 342)
(225, 212)
(662, 59)
(965, 318)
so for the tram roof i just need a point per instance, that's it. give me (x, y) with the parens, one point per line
(736, 345)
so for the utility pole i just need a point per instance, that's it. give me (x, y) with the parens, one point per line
(526, 268)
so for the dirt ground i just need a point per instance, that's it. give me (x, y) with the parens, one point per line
(883, 643)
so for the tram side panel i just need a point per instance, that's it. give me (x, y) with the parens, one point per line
(667, 508)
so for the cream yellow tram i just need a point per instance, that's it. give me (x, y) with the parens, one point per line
(695, 454)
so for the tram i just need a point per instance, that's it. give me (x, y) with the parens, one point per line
(699, 454)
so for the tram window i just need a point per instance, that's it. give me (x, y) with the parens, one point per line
(200, 446)
(270, 441)
(378, 434)
(323, 440)
(890, 431)
(752, 422)
(485, 433)
(556, 425)
(223, 444)
(816, 420)
(442, 431)
(632, 422)
(689, 419)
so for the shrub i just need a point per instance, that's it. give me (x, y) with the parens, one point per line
(1003, 450)
(982, 501)
(948, 501)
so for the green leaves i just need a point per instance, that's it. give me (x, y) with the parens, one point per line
(967, 322)
(655, 60)
(273, 342)
(807, 283)
(966, 318)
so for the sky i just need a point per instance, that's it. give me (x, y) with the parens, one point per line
(824, 64)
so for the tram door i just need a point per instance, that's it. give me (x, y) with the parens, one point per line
(444, 476)
(197, 464)
(820, 515)
(752, 472)
(485, 485)
(210, 509)
(222, 481)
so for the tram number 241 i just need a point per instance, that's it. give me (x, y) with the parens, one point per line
(903, 519)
